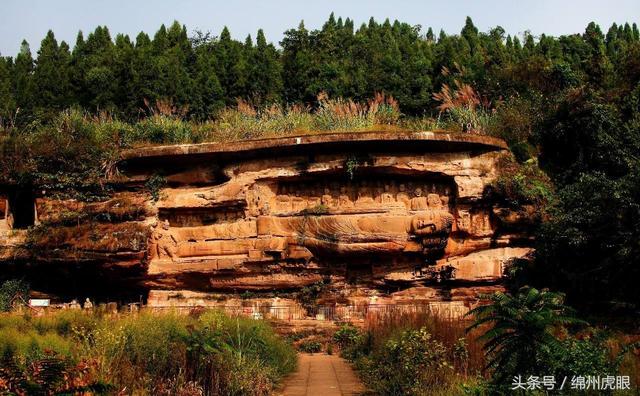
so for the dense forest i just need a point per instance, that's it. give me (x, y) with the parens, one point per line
(205, 72)
(569, 107)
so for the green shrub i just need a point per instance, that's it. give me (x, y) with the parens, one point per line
(164, 129)
(12, 292)
(148, 353)
(410, 363)
(154, 184)
(521, 184)
(254, 338)
(310, 346)
(580, 357)
(522, 331)
(346, 336)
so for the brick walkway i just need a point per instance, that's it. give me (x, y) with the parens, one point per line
(323, 375)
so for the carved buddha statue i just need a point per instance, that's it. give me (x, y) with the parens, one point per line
(283, 201)
(327, 199)
(162, 243)
(433, 201)
(402, 196)
(386, 197)
(344, 201)
(364, 194)
(298, 203)
(313, 200)
(378, 193)
(432, 228)
(419, 202)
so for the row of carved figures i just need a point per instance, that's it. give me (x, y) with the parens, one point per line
(362, 195)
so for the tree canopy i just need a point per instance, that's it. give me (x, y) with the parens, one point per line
(206, 72)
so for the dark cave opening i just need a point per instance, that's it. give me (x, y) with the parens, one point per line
(22, 208)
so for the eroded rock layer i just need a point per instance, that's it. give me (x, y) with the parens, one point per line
(382, 212)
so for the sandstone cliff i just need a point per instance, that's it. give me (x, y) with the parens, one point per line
(399, 215)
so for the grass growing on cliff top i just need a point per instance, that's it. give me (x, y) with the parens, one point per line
(75, 151)
(148, 353)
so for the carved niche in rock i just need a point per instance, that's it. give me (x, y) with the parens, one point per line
(325, 217)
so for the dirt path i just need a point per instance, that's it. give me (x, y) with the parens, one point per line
(322, 375)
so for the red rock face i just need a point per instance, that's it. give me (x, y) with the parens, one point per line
(378, 211)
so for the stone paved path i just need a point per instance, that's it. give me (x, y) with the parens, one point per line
(322, 375)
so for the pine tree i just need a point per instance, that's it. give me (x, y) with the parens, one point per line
(470, 34)
(172, 64)
(7, 100)
(430, 36)
(297, 60)
(266, 71)
(77, 71)
(123, 71)
(143, 73)
(234, 67)
(99, 80)
(208, 93)
(597, 64)
(50, 76)
(23, 84)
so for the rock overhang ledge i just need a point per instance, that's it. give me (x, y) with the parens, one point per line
(309, 143)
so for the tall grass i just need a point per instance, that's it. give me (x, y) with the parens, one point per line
(146, 353)
(419, 353)
(450, 331)
(167, 124)
(463, 107)
(414, 353)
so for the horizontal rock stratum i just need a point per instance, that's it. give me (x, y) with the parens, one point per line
(393, 216)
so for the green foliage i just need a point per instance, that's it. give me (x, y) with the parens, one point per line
(346, 336)
(154, 184)
(354, 161)
(593, 233)
(203, 73)
(147, 353)
(12, 292)
(316, 210)
(522, 331)
(308, 295)
(588, 247)
(351, 165)
(409, 363)
(71, 155)
(587, 133)
(580, 357)
(521, 184)
(49, 374)
(161, 129)
(310, 346)
(7, 99)
(353, 343)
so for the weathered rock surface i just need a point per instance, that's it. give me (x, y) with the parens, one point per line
(379, 211)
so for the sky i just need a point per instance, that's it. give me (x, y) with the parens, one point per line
(31, 19)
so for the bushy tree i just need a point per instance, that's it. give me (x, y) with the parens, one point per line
(266, 71)
(13, 292)
(7, 99)
(23, 84)
(521, 333)
(50, 74)
(234, 67)
(589, 247)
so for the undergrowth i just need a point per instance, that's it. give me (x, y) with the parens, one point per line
(147, 353)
